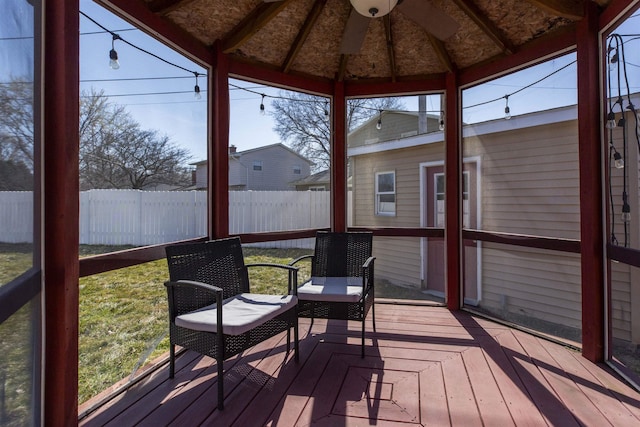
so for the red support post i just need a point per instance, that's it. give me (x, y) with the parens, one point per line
(60, 147)
(453, 205)
(339, 160)
(590, 162)
(219, 147)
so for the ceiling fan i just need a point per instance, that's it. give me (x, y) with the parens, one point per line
(423, 13)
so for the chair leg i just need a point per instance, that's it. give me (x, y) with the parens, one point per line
(172, 360)
(295, 339)
(373, 315)
(362, 351)
(220, 384)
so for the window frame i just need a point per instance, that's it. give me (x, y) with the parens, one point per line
(378, 194)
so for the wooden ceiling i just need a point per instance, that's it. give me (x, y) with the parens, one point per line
(303, 37)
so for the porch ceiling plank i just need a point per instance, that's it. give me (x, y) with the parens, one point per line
(390, 51)
(165, 6)
(251, 24)
(442, 54)
(309, 22)
(488, 27)
(570, 9)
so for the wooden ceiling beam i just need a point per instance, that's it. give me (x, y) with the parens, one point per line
(342, 67)
(487, 27)
(251, 24)
(442, 54)
(165, 6)
(570, 9)
(390, 51)
(309, 22)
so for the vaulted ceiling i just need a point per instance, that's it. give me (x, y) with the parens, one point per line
(328, 39)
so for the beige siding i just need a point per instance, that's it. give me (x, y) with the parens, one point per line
(397, 260)
(530, 180)
(530, 282)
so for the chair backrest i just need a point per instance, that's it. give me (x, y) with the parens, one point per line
(216, 262)
(341, 254)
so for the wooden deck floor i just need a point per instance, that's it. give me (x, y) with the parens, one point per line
(423, 366)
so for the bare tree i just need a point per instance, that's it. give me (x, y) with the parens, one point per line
(16, 122)
(303, 122)
(115, 152)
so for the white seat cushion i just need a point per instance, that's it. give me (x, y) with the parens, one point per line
(240, 313)
(332, 289)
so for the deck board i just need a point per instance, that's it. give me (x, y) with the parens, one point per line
(423, 366)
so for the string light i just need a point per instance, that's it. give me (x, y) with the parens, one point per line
(196, 88)
(326, 108)
(618, 161)
(113, 55)
(379, 124)
(262, 112)
(626, 209)
(507, 110)
(611, 120)
(441, 123)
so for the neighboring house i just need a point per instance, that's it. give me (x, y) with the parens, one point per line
(320, 181)
(269, 168)
(393, 125)
(519, 176)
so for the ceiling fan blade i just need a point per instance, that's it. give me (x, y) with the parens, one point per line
(429, 17)
(354, 33)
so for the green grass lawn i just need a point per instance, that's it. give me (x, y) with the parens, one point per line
(123, 316)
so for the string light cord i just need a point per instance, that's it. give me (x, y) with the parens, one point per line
(114, 34)
(522, 88)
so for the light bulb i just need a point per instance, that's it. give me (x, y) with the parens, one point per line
(621, 122)
(196, 92)
(613, 61)
(507, 113)
(507, 110)
(618, 161)
(441, 125)
(113, 59)
(379, 124)
(626, 214)
(611, 120)
(262, 112)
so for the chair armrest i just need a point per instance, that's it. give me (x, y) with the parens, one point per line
(367, 273)
(197, 295)
(295, 261)
(293, 274)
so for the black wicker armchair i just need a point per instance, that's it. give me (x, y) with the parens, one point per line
(342, 276)
(211, 309)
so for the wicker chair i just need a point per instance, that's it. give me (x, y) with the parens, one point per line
(341, 283)
(211, 310)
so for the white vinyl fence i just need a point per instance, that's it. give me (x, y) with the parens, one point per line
(134, 217)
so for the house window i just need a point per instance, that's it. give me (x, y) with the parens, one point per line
(297, 170)
(257, 165)
(317, 188)
(386, 193)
